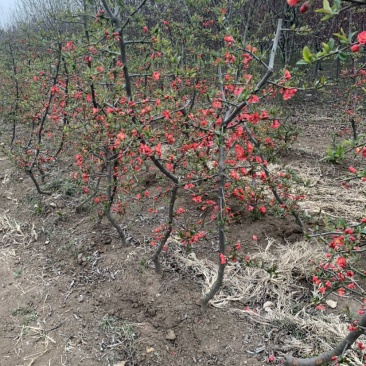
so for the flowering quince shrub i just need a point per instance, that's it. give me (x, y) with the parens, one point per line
(128, 96)
(123, 98)
(201, 131)
(340, 270)
(36, 110)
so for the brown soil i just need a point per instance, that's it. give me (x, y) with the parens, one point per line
(70, 295)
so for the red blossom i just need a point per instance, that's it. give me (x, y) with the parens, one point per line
(342, 262)
(253, 99)
(293, 2)
(289, 93)
(222, 258)
(275, 124)
(304, 7)
(352, 169)
(355, 48)
(180, 211)
(156, 75)
(216, 104)
(229, 40)
(251, 48)
(320, 307)
(341, 291)
(197, 199)
(361, 37)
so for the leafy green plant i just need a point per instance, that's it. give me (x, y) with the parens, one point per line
(335, 154)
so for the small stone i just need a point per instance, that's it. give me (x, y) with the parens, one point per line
(268, 304)
(121, 363)
(53, 204)
(331, 303)
(170, 335)
(149, 349)
(81, 259)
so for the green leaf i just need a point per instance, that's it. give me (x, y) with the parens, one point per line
(326, 17)
(336, 5)
(331, 44)
(326, 48)
(342, 56)
(306, 54)
(326, 6)
(323, 11)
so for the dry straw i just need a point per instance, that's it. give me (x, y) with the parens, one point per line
(277, 275)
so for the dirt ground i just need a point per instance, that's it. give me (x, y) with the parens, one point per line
(70, 295)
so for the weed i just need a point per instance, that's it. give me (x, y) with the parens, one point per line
(336, 154)
(18, 273)
(64, 186)
(29, 315)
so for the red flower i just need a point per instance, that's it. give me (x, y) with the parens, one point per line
(342, 262)
(156, 75)
(222, 258)
(250, 147)
(320, 307)
(253, 99)
(352, 169)
(292, 2)
(275, 124)
(262, 209)
(362, 37)
(304, 7)
(197, 199)
(216, 104)
(289, 93)
(287, 75)
(229, 40)
(355, 48)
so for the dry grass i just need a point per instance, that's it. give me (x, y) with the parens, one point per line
(12, 232)
(325, 195)
(277, 274)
